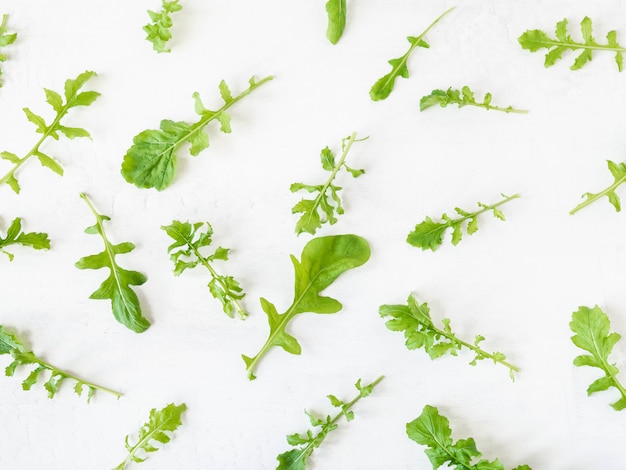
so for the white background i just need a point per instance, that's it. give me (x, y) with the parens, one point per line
(515, 282)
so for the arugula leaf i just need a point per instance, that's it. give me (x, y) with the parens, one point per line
(5, 40)
(159, 424)
(420, 332)
(159, 30)
(15, 236)
(189, 239)
(592, 326)
(323, 260)
(433, 430)
(151, 161)
(72, 99)
(10, 344)
(116, 287)
(618, 170)
(296, 459)
(535, 39)
(384, 86)
(464, 97)
(328, 204)
(336, 10)
(428, 234)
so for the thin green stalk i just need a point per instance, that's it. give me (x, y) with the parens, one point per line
(594, 197)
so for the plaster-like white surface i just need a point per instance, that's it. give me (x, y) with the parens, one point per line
(515, 282)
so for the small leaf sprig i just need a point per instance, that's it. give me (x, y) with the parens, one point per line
(15, 236)
(322, 261)
(159, 30)
(336, 12)
(432, 430)
(6, 39)
(151, 161)
(322, 209)
(618, 170)
(463, 97)
(428, 234)
(305, 444)
(160, 423)
(591, 327)
(185, 252)
(10, 344)
(72, 99)
(116, 287)
(535, 39)
(421, 333)
(384, 86)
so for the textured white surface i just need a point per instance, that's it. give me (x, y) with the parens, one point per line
(515, 282)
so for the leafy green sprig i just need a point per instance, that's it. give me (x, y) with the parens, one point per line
(336, 11)
(463, 97)
(618, 170)
(384, 86)
(322, 209)
(421, 333)
(433, 431)
(323, 260)
(116, 287)
(72, 99)
(591, 327)
(305, 444)
(10, 344)
(185, 252)
(159, 30)
(535, 39)
(151, 161)
(428, 234)
(6, 39)
(15, 236)
(160, 424)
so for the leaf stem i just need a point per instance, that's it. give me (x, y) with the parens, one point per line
(576, 45)
(484, 209)
(594, 197)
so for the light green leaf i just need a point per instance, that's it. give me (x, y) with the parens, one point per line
(461, 99)
(158, 32)
(336, 10)
(618, 171)
(15, 236)
(323, 260)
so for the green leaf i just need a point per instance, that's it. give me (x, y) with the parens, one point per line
(15, 236)
(158, 32)
(6, 39)
(591, 327)
(323, 260)
(10, 344)
(73, 99)
(428, 234)
(618, 171)
(157, 430)
(413, 319)
(151, 161)
(336, 10)
(185, 253)
(534, 40)
(462, 98)
(432, 430)
(327, 204)
(296, 459)
(117, 286)
(384, 86)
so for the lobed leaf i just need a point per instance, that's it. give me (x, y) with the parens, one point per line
(591, 327)
(185, 253)
(383, 87)
(323, 260)
(432, 430)
(534, 40)
(463, 97)
(158, 32)
(151, 161)
(6, 39)
(117, 286)
(618, 171)
(15, 236)
(160, 424)
(428, 234)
